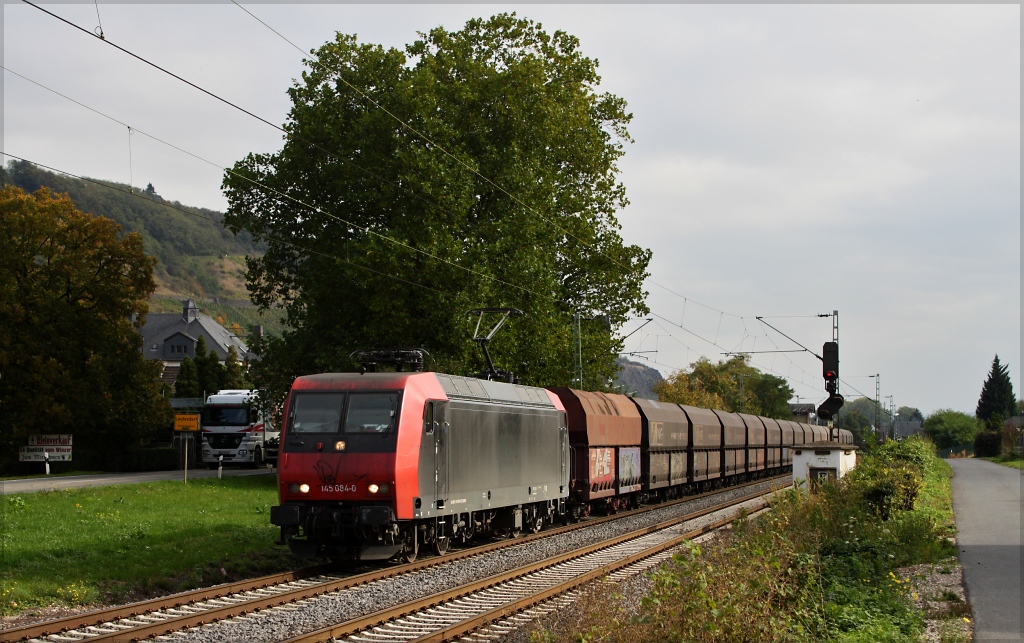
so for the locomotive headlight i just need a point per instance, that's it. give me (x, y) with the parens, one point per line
(373, 488)
(377, 488)
(304, 488)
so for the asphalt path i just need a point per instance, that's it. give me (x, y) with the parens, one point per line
(987, 506)
(28, 485)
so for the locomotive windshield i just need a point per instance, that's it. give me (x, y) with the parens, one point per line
(226, 416)
(355, 413)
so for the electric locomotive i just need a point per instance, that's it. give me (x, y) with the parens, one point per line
(375, 465)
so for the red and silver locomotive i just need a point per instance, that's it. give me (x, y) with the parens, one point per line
(376, 465)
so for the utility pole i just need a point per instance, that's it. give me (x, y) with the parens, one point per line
(836, 339)
(892, 418)
(577, 353)
(878, 400)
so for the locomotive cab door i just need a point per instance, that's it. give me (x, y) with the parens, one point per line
(563, 438)
(441, 434)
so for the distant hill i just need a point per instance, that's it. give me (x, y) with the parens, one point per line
(637, 379)
(195, 254)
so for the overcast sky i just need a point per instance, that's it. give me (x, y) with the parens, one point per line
(788, 160)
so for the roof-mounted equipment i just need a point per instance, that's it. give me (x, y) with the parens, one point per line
(400, 358)
(493, 373)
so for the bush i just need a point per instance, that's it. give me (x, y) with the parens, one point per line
(948, 428)
(885, 488)
(987, 444)
(913, 451)
(890, 479)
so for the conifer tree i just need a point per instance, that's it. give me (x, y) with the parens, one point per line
(211, 373)
(187, 384)
(234, 376)
(997, 401)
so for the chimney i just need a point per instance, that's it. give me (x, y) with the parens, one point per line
(190, 312)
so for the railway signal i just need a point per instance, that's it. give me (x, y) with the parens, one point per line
(830, 407)
(830, 365)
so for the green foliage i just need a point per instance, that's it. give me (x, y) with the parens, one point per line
(731, 385)
(176, 239)
(948, 428)
(997, 398)
(987, 443)
(858, 424)
(910, 414)
(405, 238)
(234, 375)
(73, 293)
(890, 480)
(863, 405)
(209, 370)
(886, 487)
(187, 384)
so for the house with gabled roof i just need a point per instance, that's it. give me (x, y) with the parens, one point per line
(170, 337)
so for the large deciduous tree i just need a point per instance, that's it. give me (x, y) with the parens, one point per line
(948, 428)
(73, 293)
(475, 168)
(731, 385)
(997, 401)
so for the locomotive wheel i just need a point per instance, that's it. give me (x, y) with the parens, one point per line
(411, 549)
(441, 545)
(538, 525)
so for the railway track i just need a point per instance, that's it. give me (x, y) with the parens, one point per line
(180, 612)
(456, 613)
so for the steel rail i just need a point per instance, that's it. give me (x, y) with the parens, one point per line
(86, 619)
(380, 617)
(476, 622)
(101, 622)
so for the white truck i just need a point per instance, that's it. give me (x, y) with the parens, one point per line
(235, 430)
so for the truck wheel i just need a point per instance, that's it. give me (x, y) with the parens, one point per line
(257, 459)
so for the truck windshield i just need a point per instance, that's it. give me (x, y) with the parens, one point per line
(225, 416)
(363, 413)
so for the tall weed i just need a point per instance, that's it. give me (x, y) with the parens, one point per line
(817, 567)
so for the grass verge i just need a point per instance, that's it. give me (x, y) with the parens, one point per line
(62, 474)
(1016, 461)
(112, 544)
(818, 567)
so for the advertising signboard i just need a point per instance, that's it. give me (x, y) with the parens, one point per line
(39, 454)
(50, 440)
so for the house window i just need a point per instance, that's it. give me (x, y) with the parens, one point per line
(177, 350)
(153, 348)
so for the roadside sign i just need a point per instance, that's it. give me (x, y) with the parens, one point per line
(50, 440)
(40, 453)
(186, 421)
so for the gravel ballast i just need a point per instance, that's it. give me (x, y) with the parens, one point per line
(280, 623)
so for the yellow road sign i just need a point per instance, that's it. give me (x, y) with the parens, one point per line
(186, 421)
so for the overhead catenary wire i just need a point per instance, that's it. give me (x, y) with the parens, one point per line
(287, 196)
(408, 190)
(317, 146)
(208, 218)
(347, 161)
(435, 145)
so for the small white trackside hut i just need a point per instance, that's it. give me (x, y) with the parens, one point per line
(819, 462)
